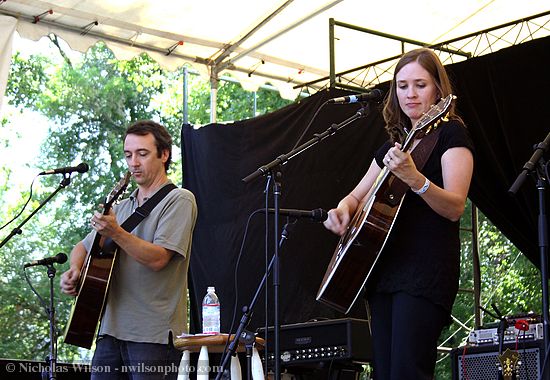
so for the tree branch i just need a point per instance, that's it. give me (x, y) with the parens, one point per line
(55, 41)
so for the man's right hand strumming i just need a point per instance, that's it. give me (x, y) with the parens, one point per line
(69, 279)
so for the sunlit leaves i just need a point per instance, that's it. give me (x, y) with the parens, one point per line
(88, 104)
(27, 79)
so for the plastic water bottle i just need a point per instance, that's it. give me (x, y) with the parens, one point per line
(211, 312)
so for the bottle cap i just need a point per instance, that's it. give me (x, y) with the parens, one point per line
(211, 289)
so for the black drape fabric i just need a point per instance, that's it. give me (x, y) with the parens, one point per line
(216, 158)
(503, 100)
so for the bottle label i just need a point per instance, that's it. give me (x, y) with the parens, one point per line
(211, 318)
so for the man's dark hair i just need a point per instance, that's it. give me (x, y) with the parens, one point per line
(163, 140)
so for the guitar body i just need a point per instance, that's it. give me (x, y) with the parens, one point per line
(358, 250)
(88, 306)
(360, 247)
(94, 280)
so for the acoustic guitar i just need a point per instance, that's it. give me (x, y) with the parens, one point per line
(359, 248)
(95, 276)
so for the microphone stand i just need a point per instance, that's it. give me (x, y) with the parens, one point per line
(502, 327)
(538, 166)
(241, 334)
(51, 359)
(49, 373)
(272, 170)
(318, 137)
(17, 230)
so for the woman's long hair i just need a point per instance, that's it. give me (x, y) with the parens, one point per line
(397, 123)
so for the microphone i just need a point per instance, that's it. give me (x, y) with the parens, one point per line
(81, 168)
(60, 258)
(374, 95)
(317, 215)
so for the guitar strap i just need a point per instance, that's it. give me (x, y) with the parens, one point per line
(144, 210)
(396, 188)
(139, 214)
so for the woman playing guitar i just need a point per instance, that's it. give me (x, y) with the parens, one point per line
(413, 285)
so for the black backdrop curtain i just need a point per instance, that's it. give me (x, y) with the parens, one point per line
(503, 100)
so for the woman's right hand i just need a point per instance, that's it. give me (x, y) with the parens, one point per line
(337, 221)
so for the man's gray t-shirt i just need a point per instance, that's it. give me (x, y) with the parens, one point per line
(144, 305)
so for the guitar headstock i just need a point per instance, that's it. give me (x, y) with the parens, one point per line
(508, 361)
(117, 191)
(430, 119)
(435, 114)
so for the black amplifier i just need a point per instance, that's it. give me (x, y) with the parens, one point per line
(344, 339)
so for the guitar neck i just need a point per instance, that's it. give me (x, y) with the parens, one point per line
(380, 180)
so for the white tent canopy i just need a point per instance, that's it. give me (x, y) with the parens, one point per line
(285, 43)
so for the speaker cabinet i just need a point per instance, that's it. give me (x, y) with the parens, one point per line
(481, 362)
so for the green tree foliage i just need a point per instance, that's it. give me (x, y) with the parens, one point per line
(89, 104)
(508, 279)
(27, 79)
(23, 329)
